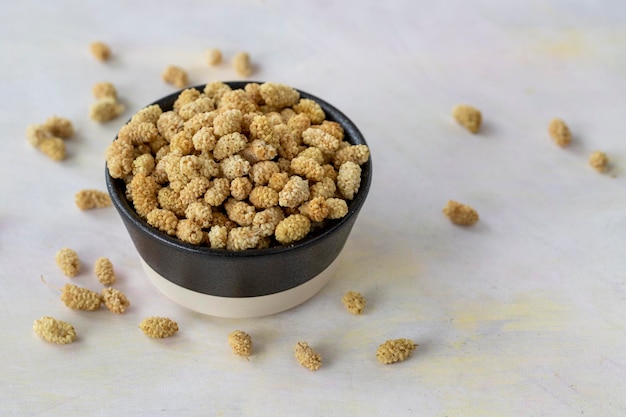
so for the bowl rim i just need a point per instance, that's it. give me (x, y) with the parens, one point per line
(116, 188)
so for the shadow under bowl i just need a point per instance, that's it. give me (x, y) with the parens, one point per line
(250, 283)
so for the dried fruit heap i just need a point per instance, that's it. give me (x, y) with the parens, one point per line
(237, 169)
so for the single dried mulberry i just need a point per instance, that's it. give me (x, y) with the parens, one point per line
(559, 132)
(204, 139)
(194, 189)
(158, 327)
(138, 133)
(599, 161)
(313, 110)
(229, 145)
(216, 90)
(92, 199)
(104, 271)
(242, 238)
(143, 189)
(79, 298)
(200, 213)
(395, 350)
(67, 259)
(105, 109)
(115, 300)
(325, 188)
(176, 76)
(241, 343)
(359, 154)
(164, 220)
(59, 127)
(262, 171)
(227, 122)
(242, 65)
(217, 192)
(240, 188)
(295, 192)
(264, 222)
(467, 116)
(35, 134)
(262, 129)
(150, 114)
(100, 51)
(315, 209)
(263, 197)
(460, 214)
(201, 105)
(104, 89)
(293, 228)
(234, 166)
(320, 139)
(349, 179)
(354, 302)
(258, 150)
(53, 148)
(144, 164)
(237, 99)
(279, 95)
(54, 331)
(278, 180)
(213, 56)
(120, 157)
(218, 237)
(307, 167)
(307, 357)
(240, 212)
(189, 231)
(337, 208)
(254, 91)
(169, 123)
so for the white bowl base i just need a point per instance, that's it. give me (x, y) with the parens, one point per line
(241, 307)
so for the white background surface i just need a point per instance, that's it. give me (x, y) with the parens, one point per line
(522, 315)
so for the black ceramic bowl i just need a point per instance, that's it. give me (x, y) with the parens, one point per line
(249, 283)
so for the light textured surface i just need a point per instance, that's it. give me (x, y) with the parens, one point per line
(522, 314)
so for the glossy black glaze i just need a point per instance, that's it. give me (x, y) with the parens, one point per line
(247, 273)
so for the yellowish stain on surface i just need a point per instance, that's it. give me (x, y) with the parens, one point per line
(479, 360)
(568, 44)
(532, 311)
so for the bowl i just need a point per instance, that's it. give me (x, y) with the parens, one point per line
(250, 283)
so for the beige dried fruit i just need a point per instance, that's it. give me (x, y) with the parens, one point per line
(114, 300)
(599, 161)
(240, 342)
(158, 327)
(105, 109)
(213, 56)
(395, 350)
(53, 148)
(176, 76)
(460, 214)
(100, 51)
(467, 116)
(559, 132)
(92, 199)
(67, 259)
(54, 331)
(104, 271)
(307, 357)
(354, 302)
(79, 298)
(242, 65)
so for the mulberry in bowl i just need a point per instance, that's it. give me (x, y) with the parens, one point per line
(239, 196)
